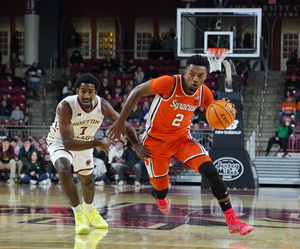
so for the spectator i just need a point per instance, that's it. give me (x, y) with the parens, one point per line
(3, 132)
(151, 73)
(242, 68)
(76, 59)
(292, 62)
(17, 114)
(292, 83)
(65, 77)
(106, 75)
(24, 152)
(117, 99)
(34, 171)
(132, 66)
(289, 94)
(198, 134)
(14, 61)
(199, 115)
(131, 163)
(167, 46)
(135, 115)
(8, 102)
(20, 73)
(288, 108)
(35, 72)
(109, 64)
(110, 100)
(73, 42)
(129, 86)
(99, 172)
(118, 88)
(52, 173)
(101, 155)
(115, 154)
(122, 64)
(7, 160)
(104, 89)
(68, 90)
(17, 129)
(139, 75)
(281, 137)
(155, 47)
(5, 110)
(14, 144)
(14, 43)
(145, 110)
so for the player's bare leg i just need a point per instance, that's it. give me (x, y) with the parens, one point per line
(69, 188)
(88, 192)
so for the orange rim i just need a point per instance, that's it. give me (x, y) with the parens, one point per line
(217, 51)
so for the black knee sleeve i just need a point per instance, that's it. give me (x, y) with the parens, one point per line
(159, 194)
(218, 186)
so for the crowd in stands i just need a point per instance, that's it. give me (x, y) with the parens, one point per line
(291, 105)
(289, 115)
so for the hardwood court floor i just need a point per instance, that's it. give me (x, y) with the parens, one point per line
(40, 217)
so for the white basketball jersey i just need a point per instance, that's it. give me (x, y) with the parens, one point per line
(85, 125)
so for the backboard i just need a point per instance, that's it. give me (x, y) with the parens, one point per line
(238, 30)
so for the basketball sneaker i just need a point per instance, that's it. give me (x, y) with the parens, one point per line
(163, 205)
(234, 225)
(95, 218)
(82, 223)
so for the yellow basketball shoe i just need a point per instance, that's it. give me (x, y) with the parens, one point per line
(95, 218)
(82, 223)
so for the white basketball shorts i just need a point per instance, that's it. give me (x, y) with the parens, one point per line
(83, 162)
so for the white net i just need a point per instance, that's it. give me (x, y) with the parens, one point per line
(215, 57)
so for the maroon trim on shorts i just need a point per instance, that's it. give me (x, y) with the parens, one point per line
(65, 151)
(82, 170)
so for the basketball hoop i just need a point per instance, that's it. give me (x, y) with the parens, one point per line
(215, 57)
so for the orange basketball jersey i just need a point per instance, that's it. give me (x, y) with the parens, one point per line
(172, 108)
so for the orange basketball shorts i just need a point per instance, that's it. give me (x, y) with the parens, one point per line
(191, 153)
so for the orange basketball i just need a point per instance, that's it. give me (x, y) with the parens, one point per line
(220, 114)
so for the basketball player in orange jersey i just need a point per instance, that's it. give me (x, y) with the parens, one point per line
(71, 141)
(167, 133)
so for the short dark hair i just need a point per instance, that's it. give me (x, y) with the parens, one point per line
(198, 60)
(87, 78)
(13, 140)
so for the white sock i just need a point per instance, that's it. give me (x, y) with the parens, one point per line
(89, 207)
(77, 209)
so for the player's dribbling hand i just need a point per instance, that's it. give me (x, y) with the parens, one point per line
(116, 131)
(142, 151)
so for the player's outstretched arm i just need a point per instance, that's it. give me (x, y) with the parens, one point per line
(118, 127)
(129, 131)
(64, 112)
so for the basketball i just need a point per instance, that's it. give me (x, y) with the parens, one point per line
(220, 114)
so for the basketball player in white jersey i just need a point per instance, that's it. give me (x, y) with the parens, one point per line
(71, 141)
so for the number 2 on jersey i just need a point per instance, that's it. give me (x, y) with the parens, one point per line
(177, 121)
